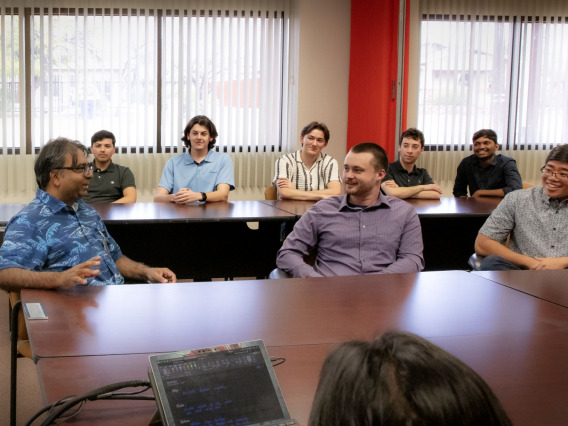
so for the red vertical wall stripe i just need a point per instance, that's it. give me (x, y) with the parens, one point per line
(372, 72)
(404, 121)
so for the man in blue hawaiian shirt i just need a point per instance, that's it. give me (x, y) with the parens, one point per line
(57, 240)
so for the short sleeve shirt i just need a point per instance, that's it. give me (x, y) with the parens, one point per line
(48, 235)
(182, 171)
(538, 225)
(108, 185)
(402, 178)
(324, 170)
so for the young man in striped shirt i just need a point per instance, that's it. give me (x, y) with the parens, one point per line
(308, 174)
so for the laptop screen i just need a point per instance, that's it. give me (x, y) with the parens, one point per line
(225, 385)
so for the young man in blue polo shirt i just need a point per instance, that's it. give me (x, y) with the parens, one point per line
(201, 173)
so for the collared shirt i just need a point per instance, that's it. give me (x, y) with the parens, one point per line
(48, 235)
(402, 178)
(182, 171)
(502, 173)
(385, 237)
(538, 225)
(108, 185)
(324, 170)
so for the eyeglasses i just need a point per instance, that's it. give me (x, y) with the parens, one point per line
(85, 169)
(558, 175)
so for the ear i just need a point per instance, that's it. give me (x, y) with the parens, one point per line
(55, 177)
(381, 175)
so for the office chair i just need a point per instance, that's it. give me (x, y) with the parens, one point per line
(475, 261)
(270, 193)
(278, 273)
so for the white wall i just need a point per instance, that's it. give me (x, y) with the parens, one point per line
(323, 78)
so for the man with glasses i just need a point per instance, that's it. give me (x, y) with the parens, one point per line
(58, 240)
(308, 174)
(536, 219)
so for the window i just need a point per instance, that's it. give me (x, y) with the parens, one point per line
(143, 73)
(508, 73)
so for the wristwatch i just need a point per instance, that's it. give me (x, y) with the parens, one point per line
(203, 196)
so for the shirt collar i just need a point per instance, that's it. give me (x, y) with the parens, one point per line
(54, 204)
(382, 200)
(299, 157)
(401, 168)
(110, 167)
(188, 159)
(493, 163)
(552, 202)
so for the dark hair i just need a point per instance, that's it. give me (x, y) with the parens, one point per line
(316, 125)
(485, 133)
(558, 153)
(380, 158)
(401, 379)
(202, 121)
(103, 134)
(52, 156)
(413, 134)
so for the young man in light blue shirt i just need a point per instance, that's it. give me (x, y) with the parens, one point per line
(201, 173)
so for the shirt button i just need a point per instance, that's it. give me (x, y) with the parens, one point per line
(554, 229)
(363, 226)
(551, 246)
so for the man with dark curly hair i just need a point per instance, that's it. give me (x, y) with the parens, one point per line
(201, 173)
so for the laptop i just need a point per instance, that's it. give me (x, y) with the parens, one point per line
(223, 385)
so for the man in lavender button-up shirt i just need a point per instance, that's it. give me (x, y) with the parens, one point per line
(361, 232)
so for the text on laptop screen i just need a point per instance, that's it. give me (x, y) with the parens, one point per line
(231, 387)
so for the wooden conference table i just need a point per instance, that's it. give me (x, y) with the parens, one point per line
(449, 226)
(549, 285)
(516, 342)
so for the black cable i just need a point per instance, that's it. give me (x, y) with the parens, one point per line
(48, 408)
(277, 360)
(106, 392)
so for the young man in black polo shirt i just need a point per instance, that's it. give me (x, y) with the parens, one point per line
(403, 178)
(111, 183)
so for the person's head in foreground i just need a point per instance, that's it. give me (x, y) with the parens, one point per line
(401, 379)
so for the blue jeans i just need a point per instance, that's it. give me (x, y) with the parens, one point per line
(497, 263)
